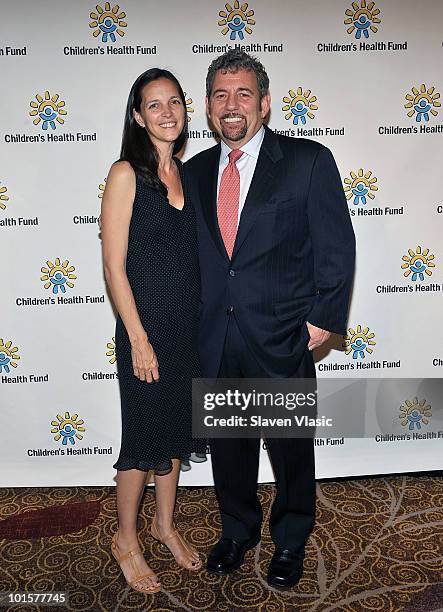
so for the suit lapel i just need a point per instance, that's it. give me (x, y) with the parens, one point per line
(208, 197)
(261, 185)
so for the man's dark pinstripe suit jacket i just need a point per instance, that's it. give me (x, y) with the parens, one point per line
(293, 258)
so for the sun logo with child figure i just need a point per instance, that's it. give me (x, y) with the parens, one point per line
(58, 275)
(360, 186)
(47, 110)
(8, 356)
(107, 22)
(358, 342)
(362, 18)
(111, 351)
(67, 428)
(3, 197)
(299, 105)
(421, 102)
(414, 413)
(236, 20)
(418, 263)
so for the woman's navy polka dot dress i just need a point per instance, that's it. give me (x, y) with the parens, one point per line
(162, 269)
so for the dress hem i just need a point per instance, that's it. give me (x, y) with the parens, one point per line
(126, 463)
(136, 466)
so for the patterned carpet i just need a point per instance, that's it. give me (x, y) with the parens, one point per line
(377, 546)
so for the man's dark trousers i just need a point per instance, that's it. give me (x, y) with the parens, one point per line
(235, 465)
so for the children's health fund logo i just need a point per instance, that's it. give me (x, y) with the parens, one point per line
(422, 105)
(9, 362)
(418, 266)
(58, 278)
(414, 413)
(359, 347)
(359, 342)
(422, 102)
(108, 24)
(361, 188)
(48, 111)
(362, 21)
(67, 431)
(8, 356)
(299, 108)
(236, 21)
(413, 417)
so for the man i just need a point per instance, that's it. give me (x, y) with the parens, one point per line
(277, 257)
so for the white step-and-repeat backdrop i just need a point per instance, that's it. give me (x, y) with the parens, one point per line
(363, 78)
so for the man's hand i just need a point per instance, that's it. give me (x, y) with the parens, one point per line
(317, 335)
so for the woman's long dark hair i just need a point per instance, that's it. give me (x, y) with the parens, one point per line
(137, 147)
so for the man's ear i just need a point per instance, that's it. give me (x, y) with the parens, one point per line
(208, 112)
(138, 118)
(265, 104)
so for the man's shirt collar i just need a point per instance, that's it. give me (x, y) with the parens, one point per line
(252, 147)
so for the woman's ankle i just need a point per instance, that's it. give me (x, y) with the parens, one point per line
(125, 536)
(165, 526)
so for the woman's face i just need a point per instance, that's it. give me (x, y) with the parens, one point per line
(162, 113)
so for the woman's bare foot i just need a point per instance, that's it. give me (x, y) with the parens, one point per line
(137, 572)
(185, 554)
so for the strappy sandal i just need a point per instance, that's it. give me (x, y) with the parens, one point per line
(130, 555)
(175, 534)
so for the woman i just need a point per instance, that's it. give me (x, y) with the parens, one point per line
(151, 267)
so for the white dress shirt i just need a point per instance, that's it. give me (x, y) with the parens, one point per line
(246, 164)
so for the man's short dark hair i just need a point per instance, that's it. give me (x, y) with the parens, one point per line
(234, 60)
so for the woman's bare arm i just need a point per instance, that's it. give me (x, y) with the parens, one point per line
(116, 213)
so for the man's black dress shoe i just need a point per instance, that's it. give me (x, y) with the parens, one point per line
(285, 569)
(228, 554)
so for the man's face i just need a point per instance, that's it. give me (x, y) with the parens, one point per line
(235, 108)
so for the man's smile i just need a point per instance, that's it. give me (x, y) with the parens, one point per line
(232, 119)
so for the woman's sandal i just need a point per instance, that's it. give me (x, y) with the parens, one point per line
(130, 555)
(175, 534)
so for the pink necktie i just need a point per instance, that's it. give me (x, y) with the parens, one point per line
(228, 201)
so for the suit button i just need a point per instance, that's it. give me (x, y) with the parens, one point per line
(229, 310)
(231, 272)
